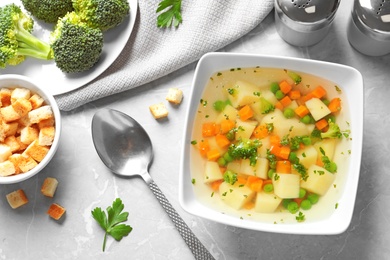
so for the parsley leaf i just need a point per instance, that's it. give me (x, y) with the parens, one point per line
(111, 222)
(170, 13)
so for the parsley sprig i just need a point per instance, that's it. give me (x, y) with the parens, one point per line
(111, 222)
(170, 13)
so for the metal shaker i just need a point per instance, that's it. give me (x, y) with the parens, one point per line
(369, 27)
(304, 22)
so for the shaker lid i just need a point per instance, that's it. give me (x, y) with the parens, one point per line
(308, 11)
(374, 13)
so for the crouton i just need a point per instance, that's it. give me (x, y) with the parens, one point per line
(7, 168)
(49, 187)
(158, 110)
(28, 134)
(22, 163)
(20, 93)
(39, 114)
(46, 136)
(22, 106)
(5, 152)
(12, 143)
(36, 151)
(22, 146)
(56, 211)
(17, 198)
(175, 96)
(46, 122)
(36, 101)
(9, 114)
(5, 97)
(10, 128)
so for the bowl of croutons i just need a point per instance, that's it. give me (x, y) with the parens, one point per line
(30, 127)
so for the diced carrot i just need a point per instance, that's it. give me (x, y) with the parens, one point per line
(254, 183)
(222, 169)
(301, 111)
(275, 150)
(217, 128)
(307, 97)
(241, 179)
(285, 101)
(222, 140)
(274, 140)
(284, 152)
(227, 125)
(245, 113)
(260, 131)
(335, 105)
(249, 205)
(294, 94)
(215, 185)
(318, 92)
(319, 162)
(204, 147)
(279, 105)
(321, 124)
(283, 166)
(268, 181)
(208, 129)
(285, 87)
(213, 155)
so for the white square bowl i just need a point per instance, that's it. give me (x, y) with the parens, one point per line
(351, 83)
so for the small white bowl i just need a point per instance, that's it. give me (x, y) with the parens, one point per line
(351, 83)
(11, 80)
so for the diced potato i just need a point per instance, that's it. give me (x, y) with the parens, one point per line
(286, 185)
(317, 108)
(328, 145)
(228, 112)
(262, 150)
(283, 126)
(307, 156)
(247, 168)
(318, 181)
(266, 202)
(245, 129)
(269, 96)
(243, 94)
(236, 196)
(261, 168)
(212, 172)
(234, 166)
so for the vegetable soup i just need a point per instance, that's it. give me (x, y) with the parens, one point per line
(270, 144)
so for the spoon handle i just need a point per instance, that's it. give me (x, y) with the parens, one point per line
(197, 248)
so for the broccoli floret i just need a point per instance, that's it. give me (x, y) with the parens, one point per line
(102, 14)
(48, 10)
(333, 131)
(230, 177)
(266, 106)
(76, 46)
(245, 149)
(16, 40)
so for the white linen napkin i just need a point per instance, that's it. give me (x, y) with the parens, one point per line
(152, 52)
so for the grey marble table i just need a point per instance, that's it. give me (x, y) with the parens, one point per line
(85, 183)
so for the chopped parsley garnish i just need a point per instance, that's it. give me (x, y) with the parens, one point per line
(170, 13)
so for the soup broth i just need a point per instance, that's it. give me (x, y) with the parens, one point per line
(226, 94)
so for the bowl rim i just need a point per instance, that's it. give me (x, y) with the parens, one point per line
(339, 221)
(12, 80)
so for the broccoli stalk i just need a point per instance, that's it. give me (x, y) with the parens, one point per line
(16, 40)
(333, 131)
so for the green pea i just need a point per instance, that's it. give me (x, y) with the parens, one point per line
(302, 193)
(326, 101)
(279, 94)
(313, 198)
(274, 87)
(269, 187)
(293, 157)
(285, 202)
(306, 119)
(230, 135)
(221, 162)
(227, 157)
(219, 105)
(288, 113)
(293, 207)
(306, 140)
(306, 204)
(271, 173)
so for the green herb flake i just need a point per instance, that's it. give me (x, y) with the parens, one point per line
(194, 142)
(338, 89)
(193, 181)
(219, 74)
(110, 223)
(170, 13)
(300, 217)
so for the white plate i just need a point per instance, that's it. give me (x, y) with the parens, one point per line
(53, 79)
(350, 81)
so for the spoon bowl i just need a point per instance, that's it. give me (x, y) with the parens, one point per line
(126, 149)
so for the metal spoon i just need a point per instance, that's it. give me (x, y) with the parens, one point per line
(126, 149)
